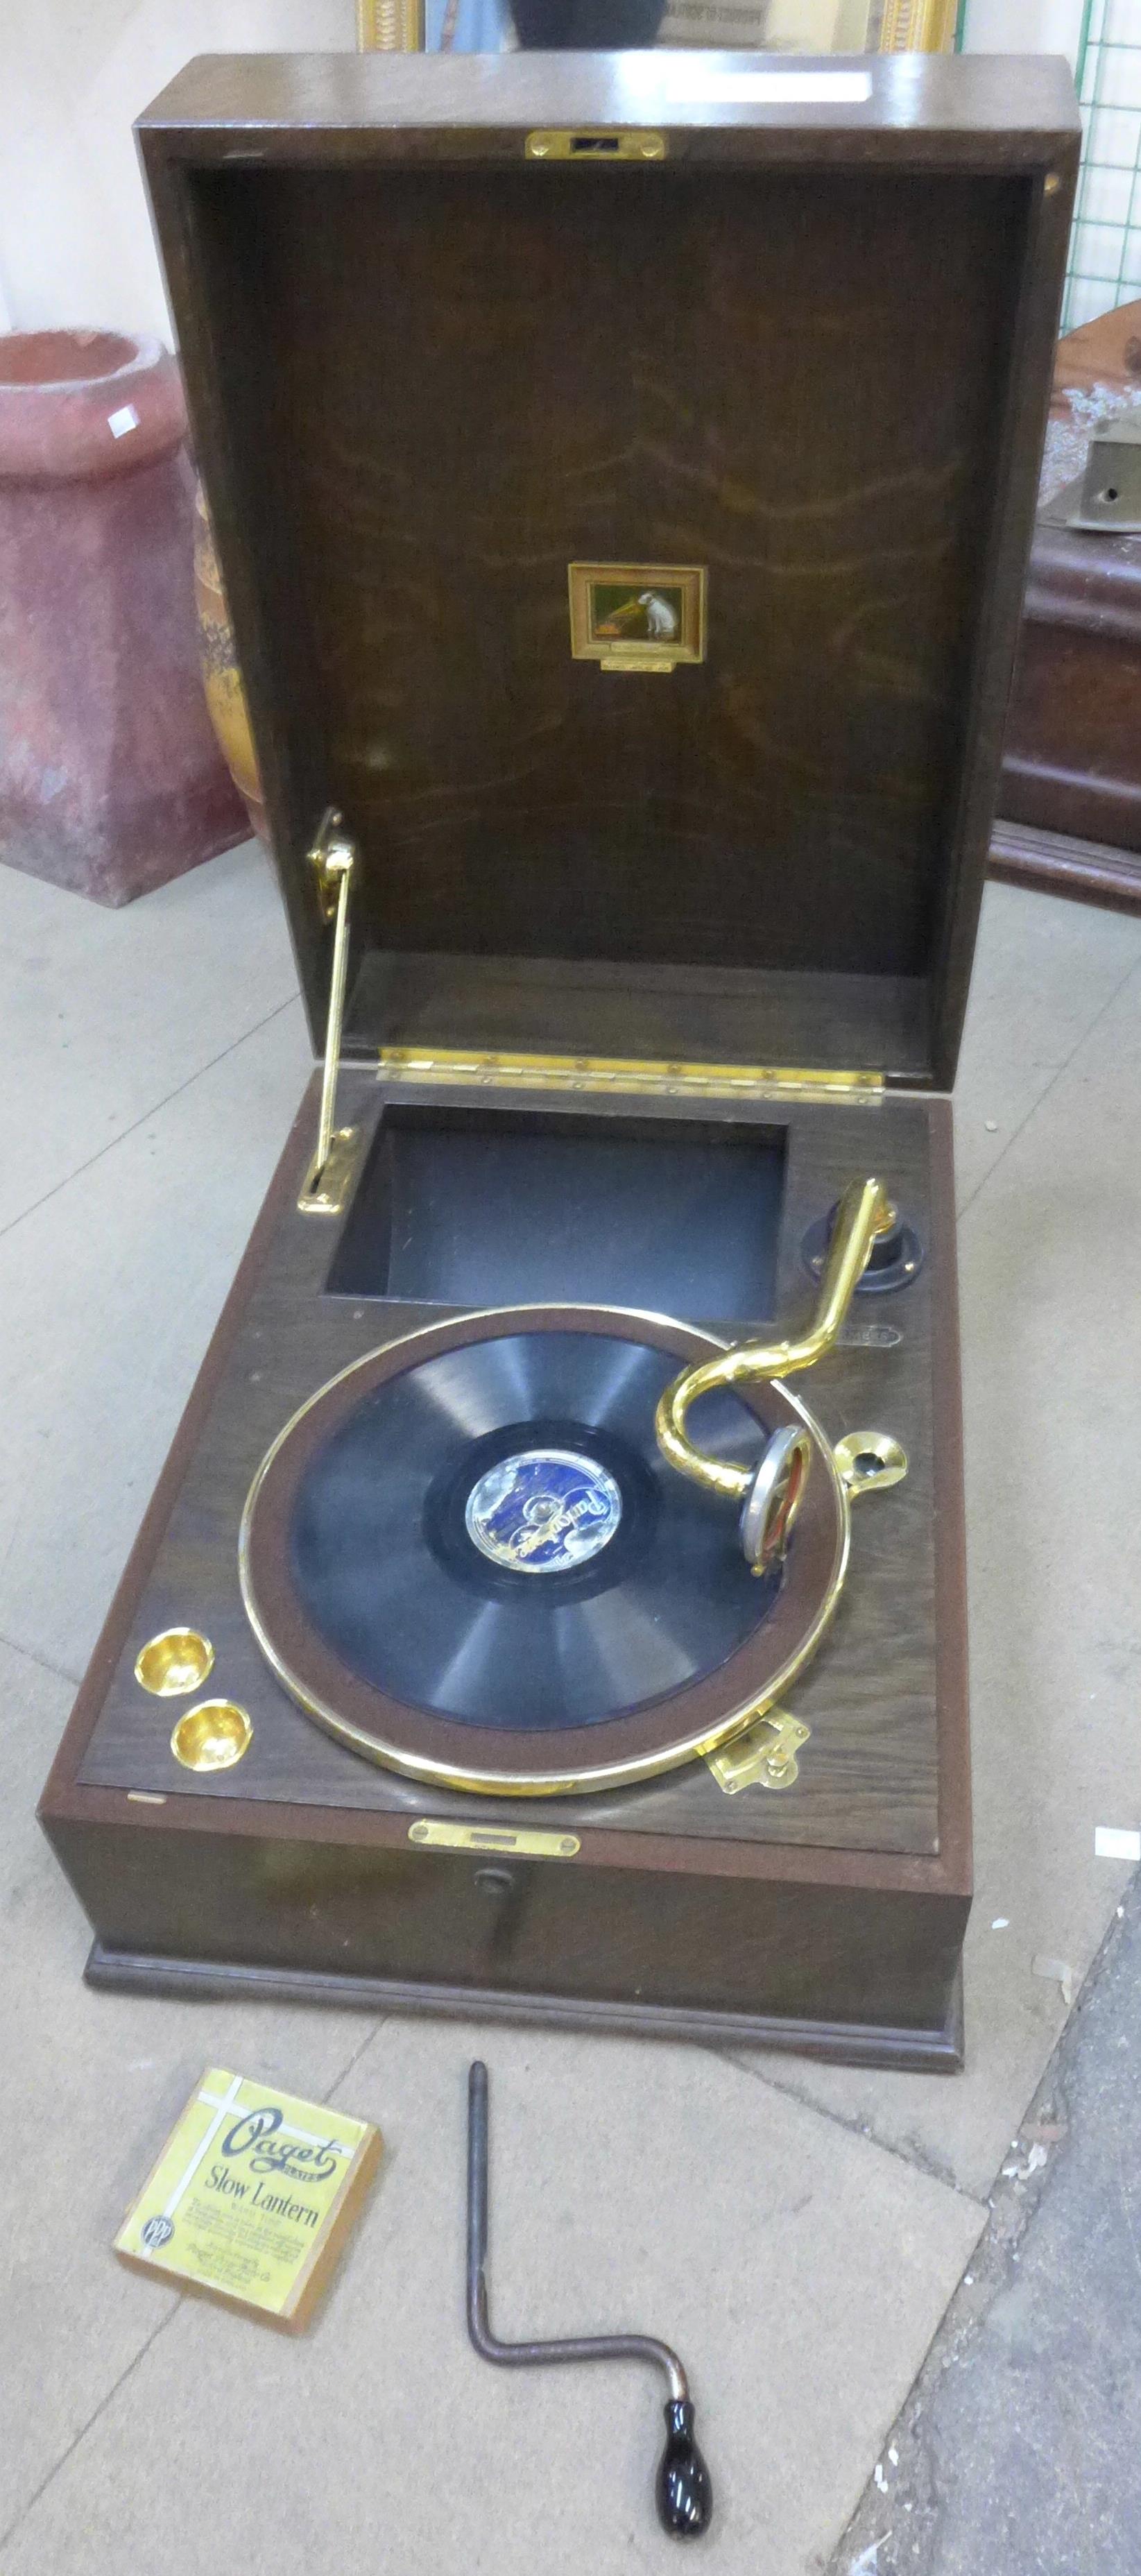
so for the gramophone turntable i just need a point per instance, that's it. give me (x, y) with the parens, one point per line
(493, 1557)
(553, 1604)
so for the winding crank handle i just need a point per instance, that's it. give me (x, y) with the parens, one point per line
(864, 1213)
(683, 2490)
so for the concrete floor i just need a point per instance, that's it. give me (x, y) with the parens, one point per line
(1019, 2449)
(799, 2233)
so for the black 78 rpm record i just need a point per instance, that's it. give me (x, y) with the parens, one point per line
(466, 1556)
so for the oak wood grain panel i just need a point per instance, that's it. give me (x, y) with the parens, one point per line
(730, 1944)
(979, 111)
(808, 348)
(726, 1014)
(383, 416)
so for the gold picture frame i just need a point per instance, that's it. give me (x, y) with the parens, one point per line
(390, 26)
(813, 26)
(637, 617)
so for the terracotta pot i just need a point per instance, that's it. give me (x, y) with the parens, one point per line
(110, 778)
(225, 696)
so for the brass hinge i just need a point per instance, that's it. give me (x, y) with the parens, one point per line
(662, 1079)
(765, 1754)
(326, 1184)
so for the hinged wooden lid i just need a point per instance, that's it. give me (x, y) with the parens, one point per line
(772, 376)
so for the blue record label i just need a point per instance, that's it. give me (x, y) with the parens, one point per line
(543, 1511)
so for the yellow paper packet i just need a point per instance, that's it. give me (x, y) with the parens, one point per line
(251, 2198)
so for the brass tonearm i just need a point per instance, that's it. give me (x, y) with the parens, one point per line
(769, 1495)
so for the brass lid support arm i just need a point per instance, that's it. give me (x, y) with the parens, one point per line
(333, 859)
(865, 1212)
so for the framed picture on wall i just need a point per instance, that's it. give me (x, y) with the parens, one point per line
(813, 26)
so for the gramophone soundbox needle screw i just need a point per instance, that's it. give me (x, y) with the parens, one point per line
(683, 2489)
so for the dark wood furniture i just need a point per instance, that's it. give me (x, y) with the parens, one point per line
(1070, 798)
(807, 347)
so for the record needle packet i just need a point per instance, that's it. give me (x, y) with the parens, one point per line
(252, 2198)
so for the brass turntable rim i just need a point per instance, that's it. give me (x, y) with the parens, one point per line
(499, 1780)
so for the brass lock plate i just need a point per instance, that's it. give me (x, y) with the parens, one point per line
(521, 1840)
(596, 143)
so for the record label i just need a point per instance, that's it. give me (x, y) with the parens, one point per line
(543, 1510)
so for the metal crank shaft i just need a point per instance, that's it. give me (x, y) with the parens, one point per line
(683, 2490)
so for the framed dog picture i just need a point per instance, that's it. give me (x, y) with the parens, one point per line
(637, 617)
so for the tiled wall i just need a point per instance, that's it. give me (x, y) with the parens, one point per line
(1105, 250)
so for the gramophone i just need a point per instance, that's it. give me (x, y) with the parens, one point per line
(622, 470)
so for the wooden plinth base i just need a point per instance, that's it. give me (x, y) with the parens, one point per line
(919, 2052)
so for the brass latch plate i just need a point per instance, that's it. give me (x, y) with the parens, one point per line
(521, 1840)
(764, 1756)
(595, 143)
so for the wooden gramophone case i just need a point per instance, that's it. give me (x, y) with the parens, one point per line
(623, 471)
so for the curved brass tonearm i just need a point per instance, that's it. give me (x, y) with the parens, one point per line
(864, 1214)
